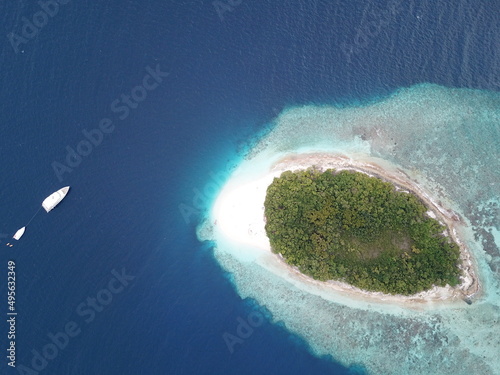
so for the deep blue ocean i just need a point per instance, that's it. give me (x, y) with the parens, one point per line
(133, 207)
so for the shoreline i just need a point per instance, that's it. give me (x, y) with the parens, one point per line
(240, 216)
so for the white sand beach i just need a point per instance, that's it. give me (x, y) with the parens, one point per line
(238, 216)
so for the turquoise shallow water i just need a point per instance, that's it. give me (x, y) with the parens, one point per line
(448, 140)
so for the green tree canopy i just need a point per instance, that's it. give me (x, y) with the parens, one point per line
(358, 229)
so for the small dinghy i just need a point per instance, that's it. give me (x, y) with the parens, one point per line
(19, 233)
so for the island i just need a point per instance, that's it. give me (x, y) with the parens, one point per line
(358, 229)
(404, 309)
(380, 237)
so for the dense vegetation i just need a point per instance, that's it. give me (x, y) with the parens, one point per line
(358, 229)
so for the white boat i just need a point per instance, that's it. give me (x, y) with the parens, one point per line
(55, 198)
(19, 233)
